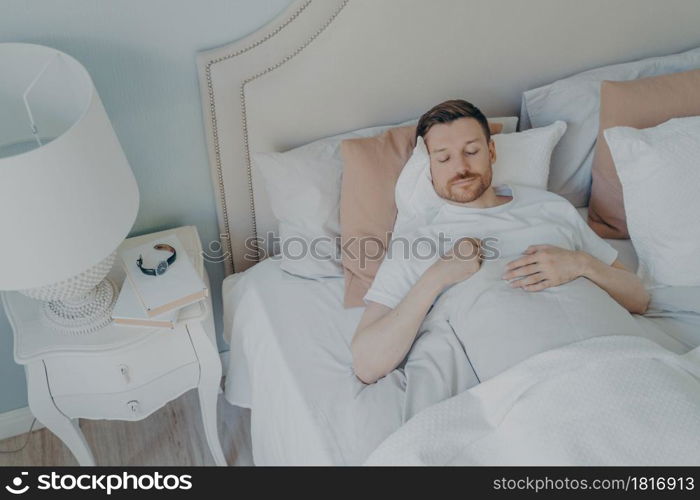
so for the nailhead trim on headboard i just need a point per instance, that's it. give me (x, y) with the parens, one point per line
(212, 109)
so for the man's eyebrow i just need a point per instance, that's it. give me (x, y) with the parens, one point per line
(466, 143)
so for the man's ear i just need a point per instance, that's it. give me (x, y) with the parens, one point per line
(492, 150)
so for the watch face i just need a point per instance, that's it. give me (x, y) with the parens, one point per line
(162, 267)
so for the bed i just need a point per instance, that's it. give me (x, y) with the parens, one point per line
(290, 363)
(272, 91)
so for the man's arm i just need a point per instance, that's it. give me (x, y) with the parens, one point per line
(545, 266)
(622, 285)
(385, 335)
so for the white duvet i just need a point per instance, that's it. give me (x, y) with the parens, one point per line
(290, 359)
(613, 400)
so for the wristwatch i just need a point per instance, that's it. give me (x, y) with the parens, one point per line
(162, 266)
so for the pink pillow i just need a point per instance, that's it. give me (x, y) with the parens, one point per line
(371, 167)
(641, 103)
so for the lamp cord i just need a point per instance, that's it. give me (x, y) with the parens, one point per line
(26, 441)
(35, 131)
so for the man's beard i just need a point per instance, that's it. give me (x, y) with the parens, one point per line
(468, 192)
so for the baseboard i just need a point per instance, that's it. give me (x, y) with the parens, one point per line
(16, 422)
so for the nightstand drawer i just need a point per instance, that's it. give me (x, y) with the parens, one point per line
(118, 371)
(135, 404)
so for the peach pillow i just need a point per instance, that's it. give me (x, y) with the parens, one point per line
(641, 103)
(371, 167)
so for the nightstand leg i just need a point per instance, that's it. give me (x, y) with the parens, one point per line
(43, 408)
(208, 388)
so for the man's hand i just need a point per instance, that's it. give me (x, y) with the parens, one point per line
(545, 266)
(384, 335)
(460, 263)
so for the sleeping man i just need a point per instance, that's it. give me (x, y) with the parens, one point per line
(548, 279)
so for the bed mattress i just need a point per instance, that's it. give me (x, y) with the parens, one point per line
(290, 362)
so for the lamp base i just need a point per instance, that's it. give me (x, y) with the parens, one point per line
(82, 315)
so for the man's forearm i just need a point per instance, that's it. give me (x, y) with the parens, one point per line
(379, 347)
(623, 286)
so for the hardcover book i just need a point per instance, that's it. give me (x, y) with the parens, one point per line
(129, 311)
(179, 286)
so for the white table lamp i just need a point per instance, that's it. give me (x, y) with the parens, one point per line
(67, 194)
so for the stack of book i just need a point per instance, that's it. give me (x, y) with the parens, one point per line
(147, 300)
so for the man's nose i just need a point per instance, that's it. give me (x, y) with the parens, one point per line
(463, 165)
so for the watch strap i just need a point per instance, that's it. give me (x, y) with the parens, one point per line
(163, 246)
(169, 261)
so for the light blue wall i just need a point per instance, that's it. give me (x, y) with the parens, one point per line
(141, 55)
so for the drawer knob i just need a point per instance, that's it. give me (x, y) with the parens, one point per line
(133, 406)
(125, 373)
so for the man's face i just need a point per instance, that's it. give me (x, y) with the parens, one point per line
(460, 159)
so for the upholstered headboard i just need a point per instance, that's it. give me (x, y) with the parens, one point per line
(327, 66)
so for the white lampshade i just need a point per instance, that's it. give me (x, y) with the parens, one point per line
(67, 205)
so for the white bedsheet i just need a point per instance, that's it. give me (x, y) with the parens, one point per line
(290, 363)
(603, 401)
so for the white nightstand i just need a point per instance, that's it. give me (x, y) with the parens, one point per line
(120, 372)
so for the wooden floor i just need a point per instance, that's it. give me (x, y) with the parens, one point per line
(171, 436)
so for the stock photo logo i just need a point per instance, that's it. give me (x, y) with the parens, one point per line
(16, 488)
(365, 250)
(95, 483)
(217, 250)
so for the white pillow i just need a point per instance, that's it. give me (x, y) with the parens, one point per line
(303, 185)
(524, 158)
(576, 100)
(521, 158)
(660, 175)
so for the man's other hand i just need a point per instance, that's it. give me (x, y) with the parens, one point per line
(545, 266)
(460, 263)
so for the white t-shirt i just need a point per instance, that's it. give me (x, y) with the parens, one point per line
(532, 217)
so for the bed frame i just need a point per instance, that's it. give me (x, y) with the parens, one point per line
(324, 67)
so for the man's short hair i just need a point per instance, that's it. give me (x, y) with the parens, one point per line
(450, 111)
